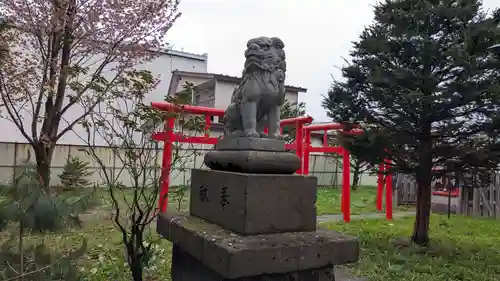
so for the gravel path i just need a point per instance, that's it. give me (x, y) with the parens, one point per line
(339, 217)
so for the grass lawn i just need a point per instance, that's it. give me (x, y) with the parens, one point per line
(363, 200)
(104, 260)
(461, 249)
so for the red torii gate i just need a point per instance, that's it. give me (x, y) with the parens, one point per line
(168, 136)
(302, 149)
(346, 166)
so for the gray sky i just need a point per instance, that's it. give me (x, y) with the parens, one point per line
(317, 34)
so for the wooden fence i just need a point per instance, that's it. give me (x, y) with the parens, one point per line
(481, 201)
(405, 190)
(474, 199)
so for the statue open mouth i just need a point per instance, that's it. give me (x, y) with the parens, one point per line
(254, 55)
(254, 58)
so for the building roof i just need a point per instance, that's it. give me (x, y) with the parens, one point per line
(202, 57)
(177, 74)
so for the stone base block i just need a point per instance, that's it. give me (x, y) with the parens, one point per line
(233, 256)
(259, 144)
(252, 161)
(185, 267)
(254, 203)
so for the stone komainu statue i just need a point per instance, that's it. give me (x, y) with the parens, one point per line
(255, 104)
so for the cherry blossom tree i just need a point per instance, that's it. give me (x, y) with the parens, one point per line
(66, 57)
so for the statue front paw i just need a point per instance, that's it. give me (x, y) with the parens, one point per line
(276, 136)
(252, 135)
(236, 134)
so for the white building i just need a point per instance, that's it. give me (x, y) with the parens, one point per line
(172, 61)
(215, 90)
(162, 67)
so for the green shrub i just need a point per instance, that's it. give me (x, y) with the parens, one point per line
(75, 173)
(27, 211)
(179, 194)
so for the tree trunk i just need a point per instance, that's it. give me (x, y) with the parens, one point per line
(355, 178)
(424, 178)
(21, 250)
(43, 157)
(136, 268)
(421, 228)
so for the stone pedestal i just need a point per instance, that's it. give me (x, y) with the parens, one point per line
(254, 203)
(252, 155)
(187, 268)
(208, 252)
(253, 227)
(251, 219)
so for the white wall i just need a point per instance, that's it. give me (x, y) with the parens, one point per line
(164, 65)
(316, 141)
(292, 97)
(324, 167)
(223, 93)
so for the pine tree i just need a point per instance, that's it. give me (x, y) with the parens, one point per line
(291, 110)
(26, 206)
(75, 173)
(423, 79)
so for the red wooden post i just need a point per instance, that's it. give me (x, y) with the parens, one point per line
(166, 164)
(346, 173)
(306, 154)
(380, 186)
(346, 186)
(388, 192)
(208, 123)
(299, 143)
